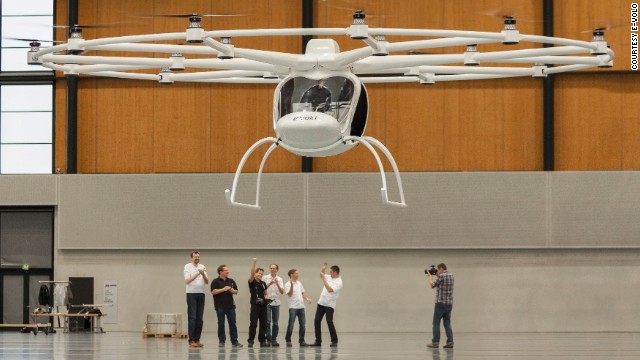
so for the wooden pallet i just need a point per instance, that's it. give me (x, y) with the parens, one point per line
(173, 335)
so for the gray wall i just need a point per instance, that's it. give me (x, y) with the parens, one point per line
(386, 290)
(531, 251)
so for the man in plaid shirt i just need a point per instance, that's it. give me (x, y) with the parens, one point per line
(444, 305)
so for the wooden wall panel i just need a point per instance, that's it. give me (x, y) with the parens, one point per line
(128, 126)
(481, 15)
(576, 19)
(493, 125)
(597, 125)
(523, 124)
(238, 121)
(88, 126)
(124, 126)
(181, 128)
(463, 126)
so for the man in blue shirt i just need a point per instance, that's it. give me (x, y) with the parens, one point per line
(444, 305)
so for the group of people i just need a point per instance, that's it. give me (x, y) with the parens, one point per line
(266, 292)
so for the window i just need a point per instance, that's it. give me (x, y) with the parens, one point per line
(26, 129)
(26, 91)
(29, 20)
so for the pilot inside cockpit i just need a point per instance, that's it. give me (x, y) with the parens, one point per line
(319, 97)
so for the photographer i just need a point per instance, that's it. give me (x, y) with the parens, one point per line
(444, 303)
(258, 289)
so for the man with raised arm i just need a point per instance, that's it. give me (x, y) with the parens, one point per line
(332, 284)
(258, 301)
(443, 307)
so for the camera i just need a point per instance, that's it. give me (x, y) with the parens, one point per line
(260, 301)
(432, 270)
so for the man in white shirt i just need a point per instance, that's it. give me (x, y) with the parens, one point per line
(275, 288)
(332, 284)
(195, 276)
(296, 298)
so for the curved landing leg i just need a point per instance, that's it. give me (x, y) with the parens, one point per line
(367, 141)
(231, 194)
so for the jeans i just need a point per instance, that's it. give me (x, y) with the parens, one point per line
(442, 311)
(195, 311)
(320, 312)
(301, 324)
(258, 312)
(273, 315)
(231, 319)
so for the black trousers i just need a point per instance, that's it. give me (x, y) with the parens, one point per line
(258, 313)
(317, 322)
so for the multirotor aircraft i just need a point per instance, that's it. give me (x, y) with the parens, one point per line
(320, 104)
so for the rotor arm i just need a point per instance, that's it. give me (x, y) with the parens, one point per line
(566, 60)
(514, 54)
(87, 69)
(375, 45)
(296, 62)
(564, 68)
(235, 64)
(126, 75)
(278, 32)
(157, 48)
(215, 75)
(348, 57)
(134, 63)
(437, 43)
(374, 64)
(55, 67)
(224, 49)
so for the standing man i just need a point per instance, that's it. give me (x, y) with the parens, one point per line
(258, 290)
(275, 288)
(223, 288)
(195, 276)
(444, 305)
(296, 297)
(332, 284)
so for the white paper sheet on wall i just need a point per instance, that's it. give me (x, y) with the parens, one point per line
(110, 297)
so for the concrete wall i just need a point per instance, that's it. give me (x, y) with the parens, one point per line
(530, 251)
(386, 290)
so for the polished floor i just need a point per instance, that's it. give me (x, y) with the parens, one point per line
(123, 345)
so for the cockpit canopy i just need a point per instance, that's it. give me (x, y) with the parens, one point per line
(335, 96)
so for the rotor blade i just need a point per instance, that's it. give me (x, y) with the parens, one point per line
(96, 26)
(372, 19)
(32, 40)
(603, 27)
(509, 13)
(186, 16)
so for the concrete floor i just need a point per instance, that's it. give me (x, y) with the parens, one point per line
(128, 345)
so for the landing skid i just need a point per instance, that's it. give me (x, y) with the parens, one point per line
(367, 141)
